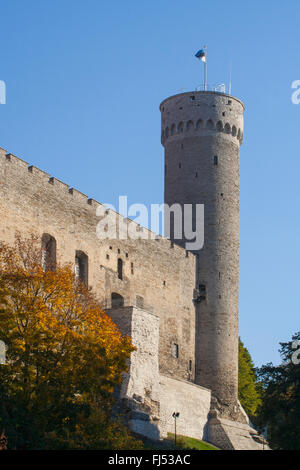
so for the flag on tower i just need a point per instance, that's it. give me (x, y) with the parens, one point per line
(201, 55)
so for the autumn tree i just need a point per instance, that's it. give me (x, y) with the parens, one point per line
(249, 388)
(64, 357)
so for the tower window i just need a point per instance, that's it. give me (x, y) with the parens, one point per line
(120, 268)
(216, 160)
(81, 267)
(190, 365)
(179, 165)
(175, 350)
(132, 269)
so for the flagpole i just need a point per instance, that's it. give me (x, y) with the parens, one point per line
(205, 69)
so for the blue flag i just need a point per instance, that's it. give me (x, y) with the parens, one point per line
(201, 55)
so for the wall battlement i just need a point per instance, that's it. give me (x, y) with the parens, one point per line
(24, 170)
(200, 114)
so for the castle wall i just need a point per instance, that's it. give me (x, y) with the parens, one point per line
(151, 398)
(160, 274)
(140, 391)
(191, 401)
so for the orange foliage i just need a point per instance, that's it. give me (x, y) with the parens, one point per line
(61, 346)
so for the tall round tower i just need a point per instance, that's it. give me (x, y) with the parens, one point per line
(202, 133)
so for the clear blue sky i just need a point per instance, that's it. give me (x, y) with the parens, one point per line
(84, 82)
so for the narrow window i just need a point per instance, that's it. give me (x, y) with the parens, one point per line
(139, 301)
(117, 300)
(81, 267)
(216, 160)
(175, 350)
(179, 165)
(48, 252)
(190, 365)
(132, 269)
(120, 268)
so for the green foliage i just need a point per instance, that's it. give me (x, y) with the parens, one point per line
(249, 389)
(280, 410)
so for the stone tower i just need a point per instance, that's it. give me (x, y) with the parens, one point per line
(202, 133)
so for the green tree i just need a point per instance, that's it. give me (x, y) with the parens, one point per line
(280, 410)
(64, 358)
(249, 389)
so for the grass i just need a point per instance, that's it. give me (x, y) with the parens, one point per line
(185, 442)
(182, 442)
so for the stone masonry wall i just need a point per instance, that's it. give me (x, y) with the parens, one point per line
(156, 274)
(140, 393)
(191, 401)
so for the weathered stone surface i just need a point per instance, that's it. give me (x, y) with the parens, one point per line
(190, 400)
(140, 391)
(232, 435)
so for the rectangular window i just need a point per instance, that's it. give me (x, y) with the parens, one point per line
(175, 350)
(190, 365)
(216, 160)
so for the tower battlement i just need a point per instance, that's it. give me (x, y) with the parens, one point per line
(201, 114)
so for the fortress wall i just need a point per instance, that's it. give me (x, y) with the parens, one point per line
(140, 393)
(163, 274)
(190, 400)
